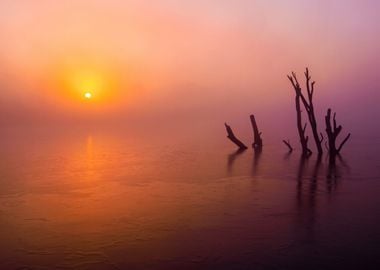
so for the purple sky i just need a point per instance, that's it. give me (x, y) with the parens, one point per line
(195, 60)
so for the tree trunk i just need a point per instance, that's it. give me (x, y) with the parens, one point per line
(333, 131)
(300, 127)
(258, 142)
(309, 106)
(232, 137)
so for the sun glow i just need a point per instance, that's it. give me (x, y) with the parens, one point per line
(79, 84)
(87, 84)
(88, 95)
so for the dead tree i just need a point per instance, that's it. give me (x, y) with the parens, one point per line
(309, 106)
(258, 142)
(287, 143)
(232, 137)
(301, 128)
(332, 133)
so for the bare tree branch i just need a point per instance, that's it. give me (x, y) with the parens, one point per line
(343, 142)
(332, 133)
(287, 143)
(300, 126)
(309, 106)
(232, 137)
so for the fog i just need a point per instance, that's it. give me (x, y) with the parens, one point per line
(188, 64)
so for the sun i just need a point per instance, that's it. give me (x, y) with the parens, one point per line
(88, 95)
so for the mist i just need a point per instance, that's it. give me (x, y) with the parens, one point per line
(188, 64)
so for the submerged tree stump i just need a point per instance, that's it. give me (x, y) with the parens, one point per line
(309, 106)
(232, 137)
(333, 132)
(287, 143)
(258, 142)
(304, 139)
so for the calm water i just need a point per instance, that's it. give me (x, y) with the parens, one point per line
(102, 200)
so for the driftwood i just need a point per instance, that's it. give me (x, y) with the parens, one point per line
(309, 106)
(258, 142)
(287, 143)
(301, 128)
(232, 137)
(333, 132)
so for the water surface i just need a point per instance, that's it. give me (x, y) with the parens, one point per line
(113, 200)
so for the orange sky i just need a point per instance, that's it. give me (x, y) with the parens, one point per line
(181, 58)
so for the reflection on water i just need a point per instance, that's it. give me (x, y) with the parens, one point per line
(232, 157)
(256, 159)
(80, 200)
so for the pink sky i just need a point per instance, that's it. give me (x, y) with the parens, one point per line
(194, 60)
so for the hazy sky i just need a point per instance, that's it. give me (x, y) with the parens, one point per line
(195, 60)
